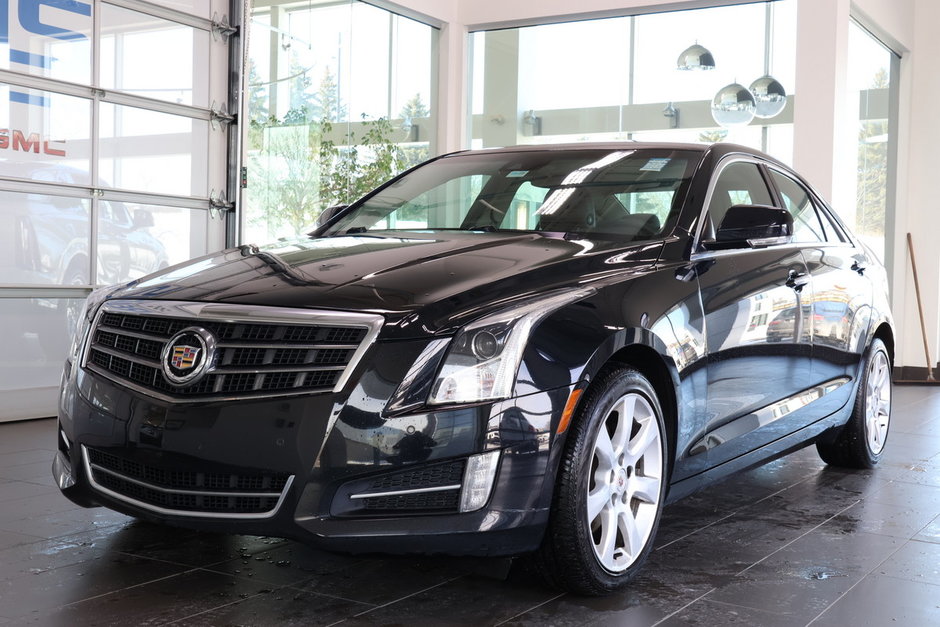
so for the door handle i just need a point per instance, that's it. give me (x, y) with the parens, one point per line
(797, 280)
(859, 266)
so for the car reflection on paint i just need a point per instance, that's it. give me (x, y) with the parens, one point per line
(787, 325)
(49, 236)
(524, 351)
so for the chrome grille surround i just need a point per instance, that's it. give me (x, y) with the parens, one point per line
(98, 473)
(261, 351)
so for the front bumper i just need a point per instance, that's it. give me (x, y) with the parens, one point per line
(308, 458)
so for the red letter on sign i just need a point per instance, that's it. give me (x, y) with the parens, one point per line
(53, 151)
(24, 144)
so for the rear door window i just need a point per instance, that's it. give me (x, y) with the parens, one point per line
(797, 200)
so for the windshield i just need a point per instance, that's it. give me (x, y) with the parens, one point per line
(626, 194)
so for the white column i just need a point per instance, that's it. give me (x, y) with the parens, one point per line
(500, 89)
(451, 106)
(820, 136)
(919, 203)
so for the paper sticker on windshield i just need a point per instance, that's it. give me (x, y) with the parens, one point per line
(655, 165)
(515, 174)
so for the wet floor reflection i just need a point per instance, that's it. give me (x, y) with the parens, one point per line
(787, 543)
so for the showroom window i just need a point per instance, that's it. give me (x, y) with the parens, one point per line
(872, 112)
(618, 78)
(114, 163)
(340, 96)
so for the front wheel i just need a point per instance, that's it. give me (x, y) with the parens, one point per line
(610, 490)
(862, 439)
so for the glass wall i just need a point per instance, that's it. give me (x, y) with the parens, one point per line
(340, 97)
(871, 110)
(618, 78)
(109, 156)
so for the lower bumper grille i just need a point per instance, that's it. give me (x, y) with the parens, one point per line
(429, 501)
(186, 493)
(433, 489)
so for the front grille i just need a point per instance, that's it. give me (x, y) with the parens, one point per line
(301, 352)
(432, 489)
(187, 492)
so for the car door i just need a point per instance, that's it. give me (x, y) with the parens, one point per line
(840, 292)
(753, 375)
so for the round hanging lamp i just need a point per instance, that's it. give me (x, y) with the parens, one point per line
(733, 105)
(769, 96)
(696, 57)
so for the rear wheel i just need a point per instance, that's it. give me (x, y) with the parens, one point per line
(862, 439)
(610, 490)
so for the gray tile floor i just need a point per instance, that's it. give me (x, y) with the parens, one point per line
(789, 543)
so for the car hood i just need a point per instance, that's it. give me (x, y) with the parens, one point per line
(441, 275)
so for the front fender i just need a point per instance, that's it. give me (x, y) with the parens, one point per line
(573, 345)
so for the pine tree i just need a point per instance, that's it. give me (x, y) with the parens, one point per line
(329, 105)
(257, 96)
(872, 169)
(414, 108)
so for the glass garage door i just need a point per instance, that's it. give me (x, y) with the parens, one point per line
(113, 140)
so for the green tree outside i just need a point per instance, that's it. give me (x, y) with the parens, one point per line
(872, 170)
(295, 169)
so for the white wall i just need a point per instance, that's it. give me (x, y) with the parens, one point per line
(919, 194)
(478, 14)
(910, 28)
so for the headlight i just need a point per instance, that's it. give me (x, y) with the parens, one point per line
(484, 357)
(88, 311)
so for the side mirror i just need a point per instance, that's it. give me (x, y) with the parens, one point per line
(142, 219)
(327, 214)
(753, 226)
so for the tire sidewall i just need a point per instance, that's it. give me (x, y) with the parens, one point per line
(616, 385)
(861, 408)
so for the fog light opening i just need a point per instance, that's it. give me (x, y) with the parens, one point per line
(478, 481)
(62, 471)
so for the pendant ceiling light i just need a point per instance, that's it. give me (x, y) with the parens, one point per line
(769, 96)
(696, 57)
(733, 105)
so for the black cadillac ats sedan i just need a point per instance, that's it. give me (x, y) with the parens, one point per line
(525, 351)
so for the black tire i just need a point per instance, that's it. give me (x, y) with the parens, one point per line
(861, 441)
(631, 492)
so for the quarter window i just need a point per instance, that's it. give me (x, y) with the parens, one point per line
(833, 233)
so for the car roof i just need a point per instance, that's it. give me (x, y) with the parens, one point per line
(721, 147)
(608, 145)
(716, 150)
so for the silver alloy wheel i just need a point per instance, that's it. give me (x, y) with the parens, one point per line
(624, 488)
(878, 402)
